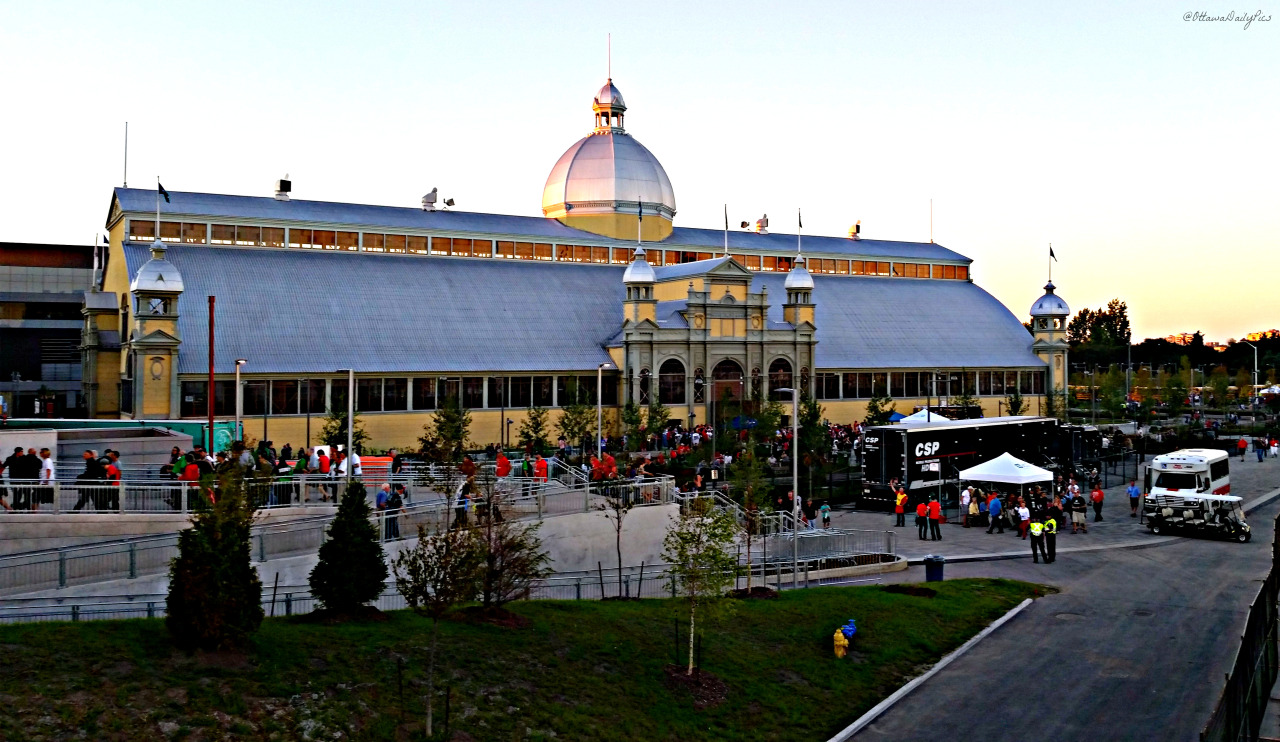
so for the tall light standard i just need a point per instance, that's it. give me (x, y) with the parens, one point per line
(239, 406)
(1253, 391)
(351, 413)
(795, 483)
(600, 406)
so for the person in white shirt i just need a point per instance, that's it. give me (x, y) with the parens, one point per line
(965, 496)
(47, 477)
(356, 471)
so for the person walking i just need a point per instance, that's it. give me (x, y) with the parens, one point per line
(1078, 509)
(460, 503)
(1096, 498)
(1242, 446)
(826, 515)
(1037, 541)
(922, 520)
(966, 496)
(1024, 518)
(1135, 495)
(900, 507)
(1050, 540)
(935, 519)
(995, 511)
(92, 476)
(47, 477)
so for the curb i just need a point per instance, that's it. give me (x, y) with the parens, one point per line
(1254, 504)
(902, 692)
(997, 556)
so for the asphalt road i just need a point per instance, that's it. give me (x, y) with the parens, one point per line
(1134, 647)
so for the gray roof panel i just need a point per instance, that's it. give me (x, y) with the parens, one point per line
(294, 311)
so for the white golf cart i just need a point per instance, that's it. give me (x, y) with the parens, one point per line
(1201, 514)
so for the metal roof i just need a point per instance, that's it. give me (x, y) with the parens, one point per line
(396, 218)
(607, 172)
(296, 311)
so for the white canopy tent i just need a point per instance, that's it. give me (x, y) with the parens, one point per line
(1007, 469)
(923, 416)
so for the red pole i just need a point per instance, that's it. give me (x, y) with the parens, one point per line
(211, 449)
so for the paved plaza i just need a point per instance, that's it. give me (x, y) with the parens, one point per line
(1134, 647)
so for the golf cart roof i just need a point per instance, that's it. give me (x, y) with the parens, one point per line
(1194, 496)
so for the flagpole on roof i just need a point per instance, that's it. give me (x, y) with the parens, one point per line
(726, 230)
(1051, 259)
(799, 229)
(157, 207)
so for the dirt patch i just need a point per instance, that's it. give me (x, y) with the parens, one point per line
(756, 593)
(708, 691)
(912, 590)
(225, 659)
(493, 616)
(326, 617)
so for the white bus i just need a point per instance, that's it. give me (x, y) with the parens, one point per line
(1189, 472)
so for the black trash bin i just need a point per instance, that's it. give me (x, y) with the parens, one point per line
(933, 564)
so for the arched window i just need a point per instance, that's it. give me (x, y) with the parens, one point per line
(644, 387)
(671, 382)
(728, 381)
(779, 377)
(699, 386)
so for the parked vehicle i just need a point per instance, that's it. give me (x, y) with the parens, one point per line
(1199, 514)
(1190, 470)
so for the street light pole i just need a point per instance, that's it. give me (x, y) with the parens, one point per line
(1254, 390)
(795, 484)
(351, 415)
(600, 408)
(239, 407)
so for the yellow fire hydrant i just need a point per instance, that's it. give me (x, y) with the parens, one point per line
(841, 644)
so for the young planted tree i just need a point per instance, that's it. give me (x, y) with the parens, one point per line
(815, 440)
(449, 427)
(334, 431)
(437, 574)
(533, 430)
(746, 475)
(615, 508)
(513, 562)
(633, 425)
(879, 408)
(657, 417)
(352, 566)
(577, 423)
(698, 546)
(215, 596)
(1015, 404)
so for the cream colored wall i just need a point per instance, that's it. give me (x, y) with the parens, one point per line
(155, 392)
(621, 226)
(676, 290)
(845, 412)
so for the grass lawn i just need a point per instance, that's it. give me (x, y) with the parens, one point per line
(580, 670)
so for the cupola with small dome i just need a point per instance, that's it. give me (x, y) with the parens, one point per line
(607, 180)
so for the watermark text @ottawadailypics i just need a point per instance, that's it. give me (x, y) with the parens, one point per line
(1245, 19)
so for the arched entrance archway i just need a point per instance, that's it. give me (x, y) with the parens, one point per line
(727, 381)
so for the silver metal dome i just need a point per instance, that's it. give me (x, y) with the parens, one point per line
(798, 278)
(157, 274)
(1050, 305)
(606, 173)
(609, 96)
(639, 271)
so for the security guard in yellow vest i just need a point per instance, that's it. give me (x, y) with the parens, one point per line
(1037, 540)
(1050, 539)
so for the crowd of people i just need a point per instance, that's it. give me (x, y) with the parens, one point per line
(28, 479)
(1036, 515)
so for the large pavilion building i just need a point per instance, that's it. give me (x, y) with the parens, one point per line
(507, 312)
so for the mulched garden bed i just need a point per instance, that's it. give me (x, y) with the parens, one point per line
(708, 691)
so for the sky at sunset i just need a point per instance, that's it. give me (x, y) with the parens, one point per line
(1141, 145)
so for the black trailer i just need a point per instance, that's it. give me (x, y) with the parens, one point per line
(927, 458)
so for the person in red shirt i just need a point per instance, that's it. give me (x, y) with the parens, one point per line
(922, 520)
(503, 466)
(1096, 497)
(1242, 446)
(935, 519)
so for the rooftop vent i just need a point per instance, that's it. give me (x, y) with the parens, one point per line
(283, 186)
(761, 225)
(429, 200)
(855, 232)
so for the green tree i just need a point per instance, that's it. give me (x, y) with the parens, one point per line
(879, 408)
(448, 429)
(1111, 392)
(352, 567)
(615, 508)
(533, 430)
(815, 440)
(1173, 392)
(698, 546)
(1244, 385)
(746, 476)
(577, 423)
(656, 417)
(334, 431)
(215, 595)
(1219, 384)
(632, 425)
(513, 560)
(1015, 404)
(439, 572)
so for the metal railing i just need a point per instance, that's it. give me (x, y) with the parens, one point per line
(1238, 714)
(637, 581)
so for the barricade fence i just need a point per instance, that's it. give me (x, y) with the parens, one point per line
(1238, 715)
(637, 581)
